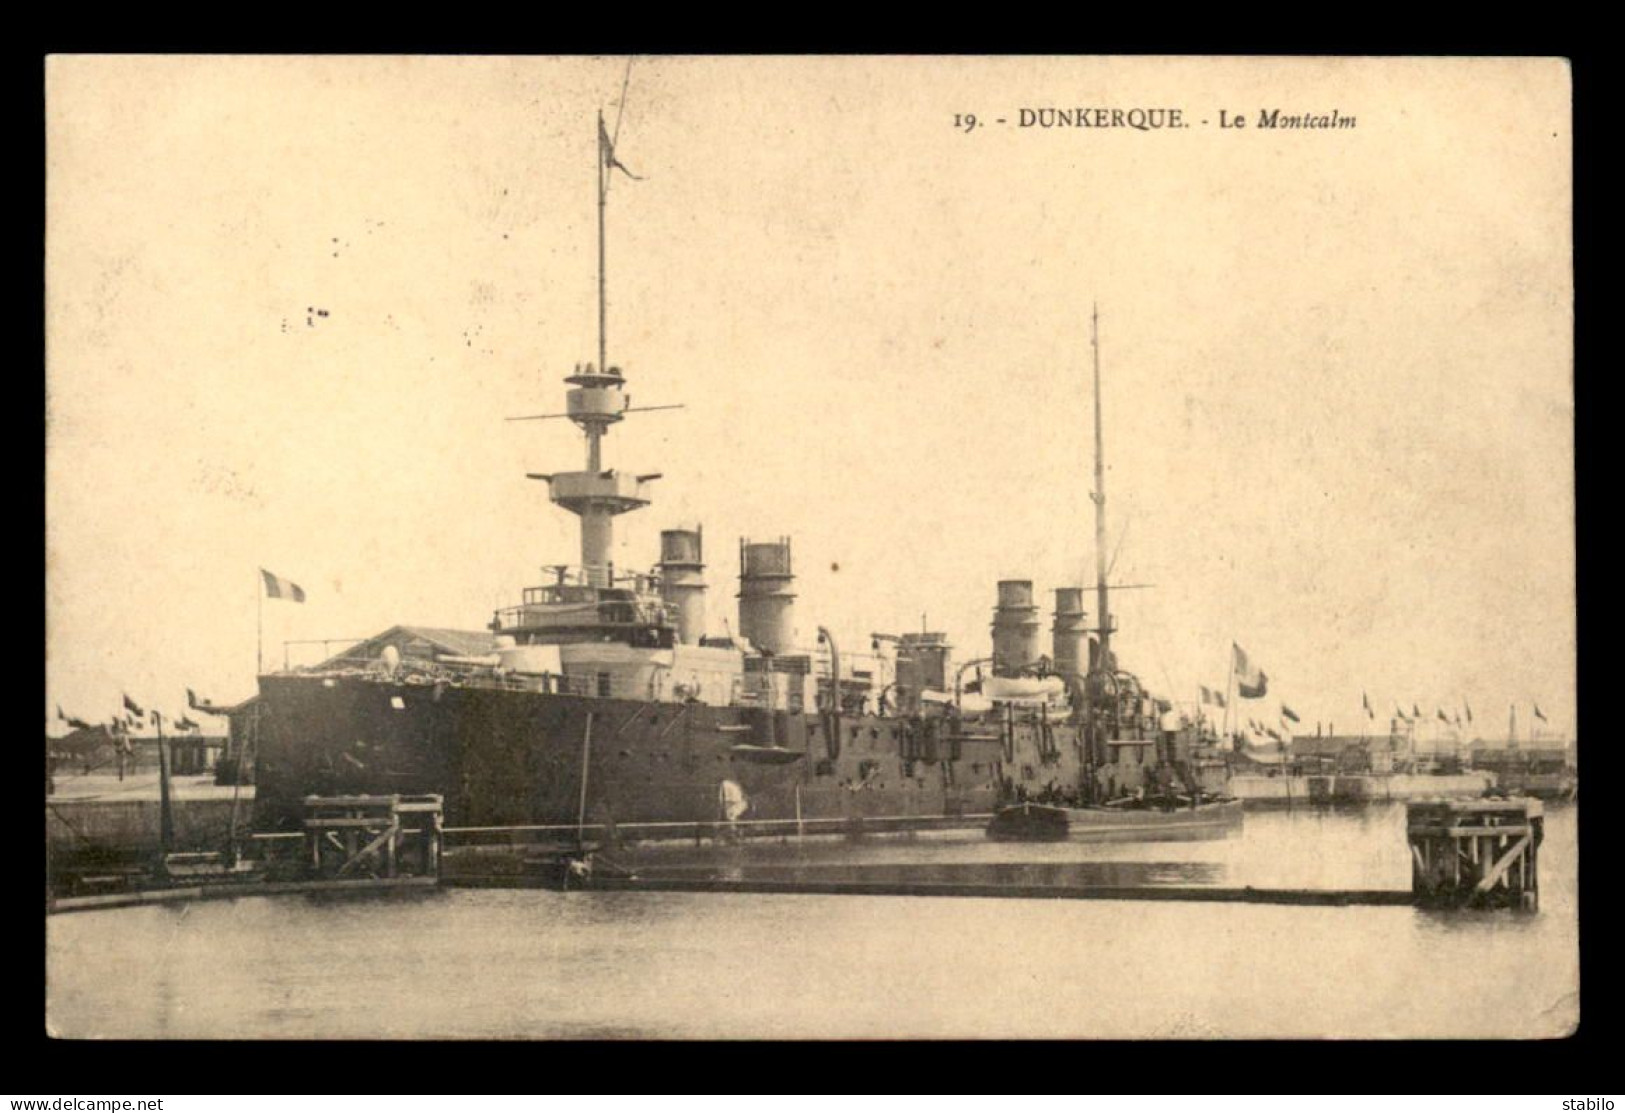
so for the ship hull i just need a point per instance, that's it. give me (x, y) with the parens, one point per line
(519, 758)
(1047, 823)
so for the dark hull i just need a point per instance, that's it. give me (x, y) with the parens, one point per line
(515, 758)
(1047, 823)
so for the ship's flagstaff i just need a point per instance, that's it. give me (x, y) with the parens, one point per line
(598, 401)
(1099, 497)
(606, 151)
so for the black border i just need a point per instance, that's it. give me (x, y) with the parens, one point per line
(1577, 1065)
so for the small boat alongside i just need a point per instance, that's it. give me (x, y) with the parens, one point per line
(1140, 821)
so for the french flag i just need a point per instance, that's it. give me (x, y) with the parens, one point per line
(278, 588)
(1251, 683)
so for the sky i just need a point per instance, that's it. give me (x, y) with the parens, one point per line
(290, 302)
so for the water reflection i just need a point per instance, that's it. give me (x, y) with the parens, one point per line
(1015, 874)
(537, 964)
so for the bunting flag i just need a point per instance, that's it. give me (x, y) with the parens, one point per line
(1251, 683)
(134, 708)
(608, 147)
(64, 718)
(77, 724)
(1416, 711)
(1288, 713)
(1443, 718)
(278, 588)
(1469, 708)
(1365, 702)
(1210, 698)
(1398, 714)
(1538, 714)
(203, 705)
(186, 724)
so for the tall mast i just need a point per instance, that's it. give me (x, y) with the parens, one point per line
(1099, 496)
(597, 401)
(603, 331)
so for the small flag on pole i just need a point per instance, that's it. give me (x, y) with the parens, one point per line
(185, 723)
(1251, 683)
(1469, 708)
(1365, 702)
(1210, 697)
(278, 588)
(608, 147)
(1288, 713)
(1538, 713)
(77, 724)
(134, 708)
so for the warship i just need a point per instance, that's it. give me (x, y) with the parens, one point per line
(602, 697)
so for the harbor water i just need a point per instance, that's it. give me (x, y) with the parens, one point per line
(539, 964)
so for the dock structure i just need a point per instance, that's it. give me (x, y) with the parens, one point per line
(373, 836)
(1465, 854)
(1475, 853)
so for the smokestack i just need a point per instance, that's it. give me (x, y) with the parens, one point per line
(682, 580)
(922, 665)
(1015, 628)
(1068, 634)
(767, 606)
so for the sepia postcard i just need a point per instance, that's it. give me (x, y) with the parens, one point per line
(810, 548)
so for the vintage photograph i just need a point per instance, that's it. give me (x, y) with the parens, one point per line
(863, 547)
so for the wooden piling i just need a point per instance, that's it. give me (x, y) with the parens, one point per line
(365, 835)
(1475, 853)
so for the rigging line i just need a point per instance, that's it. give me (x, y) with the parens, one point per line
(615, 133)
(1127, 519)
(1152, 627)
(620, 109)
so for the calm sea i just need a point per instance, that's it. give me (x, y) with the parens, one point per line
(537, 964)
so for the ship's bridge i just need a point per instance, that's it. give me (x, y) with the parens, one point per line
(574, 609)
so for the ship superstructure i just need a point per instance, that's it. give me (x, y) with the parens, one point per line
(602, 696)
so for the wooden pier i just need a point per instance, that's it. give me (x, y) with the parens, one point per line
(1465, 854)
(595, 879)
(1475, 853)
(350, 845)
(379, 837)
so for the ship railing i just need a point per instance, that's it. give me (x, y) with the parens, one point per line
(411, 671)
(609, 614)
